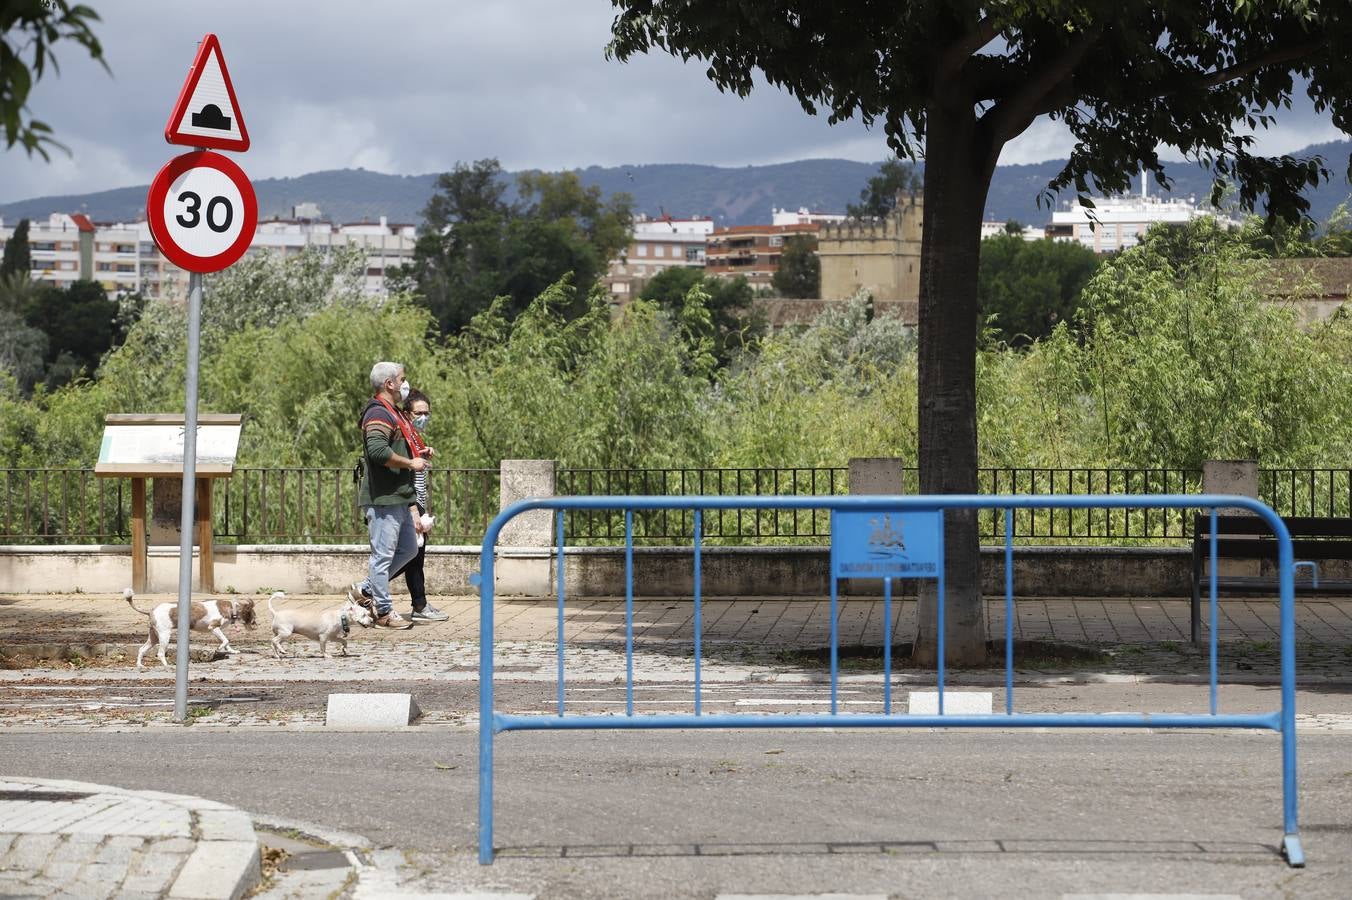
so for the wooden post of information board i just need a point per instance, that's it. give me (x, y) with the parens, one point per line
(151, 446)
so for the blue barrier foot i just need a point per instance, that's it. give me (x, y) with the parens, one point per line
(1295, 857)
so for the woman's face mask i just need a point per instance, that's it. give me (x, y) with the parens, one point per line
(420, 421)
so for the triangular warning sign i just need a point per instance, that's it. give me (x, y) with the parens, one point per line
(207, 114)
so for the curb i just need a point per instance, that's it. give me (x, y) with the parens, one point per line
(223, 863)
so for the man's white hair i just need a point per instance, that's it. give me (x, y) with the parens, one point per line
(382, 372)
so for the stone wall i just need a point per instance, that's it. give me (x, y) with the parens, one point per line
(591, 572)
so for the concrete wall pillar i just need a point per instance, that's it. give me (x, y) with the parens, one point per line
(876, 475)
(526, 542)
(1232, 476)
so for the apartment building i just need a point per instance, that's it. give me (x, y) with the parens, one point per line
(66, 248)
(124, 259)
(387, 245)
(1116, 223)
(752, 251)
(657, 245)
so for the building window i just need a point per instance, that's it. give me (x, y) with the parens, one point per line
(642, 250)
(776, 240)
(692, 254)
(659, 250)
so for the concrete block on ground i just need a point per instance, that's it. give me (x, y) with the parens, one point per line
(218, 870)
(371, 711)
(225, 825)
(956, 703)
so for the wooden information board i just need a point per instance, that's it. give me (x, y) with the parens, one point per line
(141, 446)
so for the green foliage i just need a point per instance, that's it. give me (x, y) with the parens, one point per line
(1172, 363)
(844, 386)
(23, 349)
(263, 290)
(879, 198)
(1184, 370)
(18, 258)
(1026, 287)
(34, 27)
(585, 391)
(80, 327)
(735, 322)
(476, 247)
(800, 270)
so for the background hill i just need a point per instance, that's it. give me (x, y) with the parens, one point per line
(732, 196)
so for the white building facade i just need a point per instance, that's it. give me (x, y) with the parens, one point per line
(1116, 223)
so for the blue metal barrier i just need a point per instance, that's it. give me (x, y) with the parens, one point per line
(922, 515)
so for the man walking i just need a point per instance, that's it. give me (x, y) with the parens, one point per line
(387, 489)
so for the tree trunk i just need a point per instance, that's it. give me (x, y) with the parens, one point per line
(958, 169)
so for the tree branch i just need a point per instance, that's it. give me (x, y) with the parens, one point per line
(1247, 67)
(952, 57)
(1009, 117)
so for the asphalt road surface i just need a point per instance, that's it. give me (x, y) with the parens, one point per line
(696, 814)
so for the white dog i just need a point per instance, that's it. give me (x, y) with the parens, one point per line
(206, 615)
(318, 625)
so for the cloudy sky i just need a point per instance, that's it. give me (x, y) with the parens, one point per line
(412, 87)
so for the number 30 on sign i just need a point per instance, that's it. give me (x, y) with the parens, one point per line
(202, 211)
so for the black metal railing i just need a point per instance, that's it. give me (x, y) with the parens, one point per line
(319, 505)
(1307, 492)
(63, 506)
(722, 526)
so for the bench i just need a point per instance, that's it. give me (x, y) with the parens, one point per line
(1249, 537)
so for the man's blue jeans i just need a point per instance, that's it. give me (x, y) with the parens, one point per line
(394, 543)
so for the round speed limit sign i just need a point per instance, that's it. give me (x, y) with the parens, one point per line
(202, 211)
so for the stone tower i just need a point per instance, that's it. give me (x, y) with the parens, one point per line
(881, 256)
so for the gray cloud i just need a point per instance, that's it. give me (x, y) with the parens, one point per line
(414, 87)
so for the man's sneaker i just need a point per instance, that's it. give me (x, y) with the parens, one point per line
(429, 613)
(393, 620)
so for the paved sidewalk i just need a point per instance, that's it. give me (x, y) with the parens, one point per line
(27, 619)
(72, 839)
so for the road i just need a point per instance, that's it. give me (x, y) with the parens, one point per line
(696, 814)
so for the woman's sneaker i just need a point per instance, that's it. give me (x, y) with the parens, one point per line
(429, 613)
(392, 619)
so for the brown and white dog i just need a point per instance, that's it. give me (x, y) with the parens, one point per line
(207, 615)
(321, 625)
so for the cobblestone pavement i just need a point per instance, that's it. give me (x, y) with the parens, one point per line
(69, 839)
(70, 658)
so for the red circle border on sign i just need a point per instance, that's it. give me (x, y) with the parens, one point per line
(159, 190)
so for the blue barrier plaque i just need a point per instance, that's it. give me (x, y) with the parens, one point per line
(887, 544)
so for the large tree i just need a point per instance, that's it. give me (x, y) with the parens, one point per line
(955, 80)
(800, 269)
(735, 320)
(879, 197)
(476, 245)
(18, 257)
(29, 29)
(1029, 286)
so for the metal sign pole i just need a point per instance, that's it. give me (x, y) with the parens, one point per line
(189, 499)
